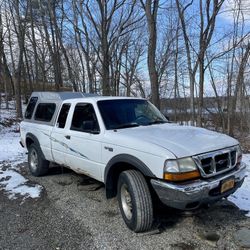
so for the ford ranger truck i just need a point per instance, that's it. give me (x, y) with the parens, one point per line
(127, 144)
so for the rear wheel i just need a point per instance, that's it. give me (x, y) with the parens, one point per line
(37, 164)
(135, 201)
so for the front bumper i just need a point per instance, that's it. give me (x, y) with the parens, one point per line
(195, 193)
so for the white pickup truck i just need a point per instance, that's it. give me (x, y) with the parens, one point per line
(127, 144)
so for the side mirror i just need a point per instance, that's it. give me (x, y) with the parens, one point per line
(89, 126)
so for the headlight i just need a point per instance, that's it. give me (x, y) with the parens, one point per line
(180, 165)
(180, 169)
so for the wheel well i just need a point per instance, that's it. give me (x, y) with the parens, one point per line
(113, 176)
(29, 141)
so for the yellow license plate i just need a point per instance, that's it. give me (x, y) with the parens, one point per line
(227, 185)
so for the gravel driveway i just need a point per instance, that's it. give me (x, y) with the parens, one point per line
(73, 213)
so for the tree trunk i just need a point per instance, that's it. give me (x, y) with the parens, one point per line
(201, 92)
(151, 15)
(105, 67)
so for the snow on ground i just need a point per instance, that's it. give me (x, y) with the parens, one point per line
(10, 149)
(241, 198)
(12, 154)
(15, 185)
(7, 114)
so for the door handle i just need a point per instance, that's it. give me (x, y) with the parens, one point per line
(67, 137)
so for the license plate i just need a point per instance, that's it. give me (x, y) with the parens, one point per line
(227, 185)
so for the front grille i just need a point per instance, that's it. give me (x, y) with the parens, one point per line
(206, 165)
(216, 162)
(222, 162)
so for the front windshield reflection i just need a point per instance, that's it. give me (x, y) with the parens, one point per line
(125, 113)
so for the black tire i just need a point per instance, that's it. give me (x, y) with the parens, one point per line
(41, 166)
(139, 216)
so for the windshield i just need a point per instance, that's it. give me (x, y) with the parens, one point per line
(125, 113)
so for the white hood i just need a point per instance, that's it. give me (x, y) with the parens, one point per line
(182, 141)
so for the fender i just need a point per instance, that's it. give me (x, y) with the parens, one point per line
(113, 170)
(35, 140)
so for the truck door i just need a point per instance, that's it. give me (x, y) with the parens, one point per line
(58, 139)
(84, 141)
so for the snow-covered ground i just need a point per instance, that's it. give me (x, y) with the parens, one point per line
(14, 184)
(12, 154)
(241, 198)
(10, 149)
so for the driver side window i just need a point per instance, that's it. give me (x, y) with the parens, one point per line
(84, 119)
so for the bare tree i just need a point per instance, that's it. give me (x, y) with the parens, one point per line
(112, 21)
(47, 14)
(151, 9)
(191, 70)
(133, 52)
(207, 20)
(18, 10)
(5, 72)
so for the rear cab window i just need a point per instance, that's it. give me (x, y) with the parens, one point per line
(45, 112)
(30, 108)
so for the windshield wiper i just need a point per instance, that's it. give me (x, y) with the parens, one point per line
(157, 122)
(127, 125)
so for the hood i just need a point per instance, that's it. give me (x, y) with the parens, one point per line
(181, 141)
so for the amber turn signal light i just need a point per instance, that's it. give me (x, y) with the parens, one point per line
(182, 176)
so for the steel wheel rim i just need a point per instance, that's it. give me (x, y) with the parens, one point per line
(33, 159)
(126, 201)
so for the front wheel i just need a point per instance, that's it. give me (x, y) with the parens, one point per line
(37, 164)
(135, 201)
